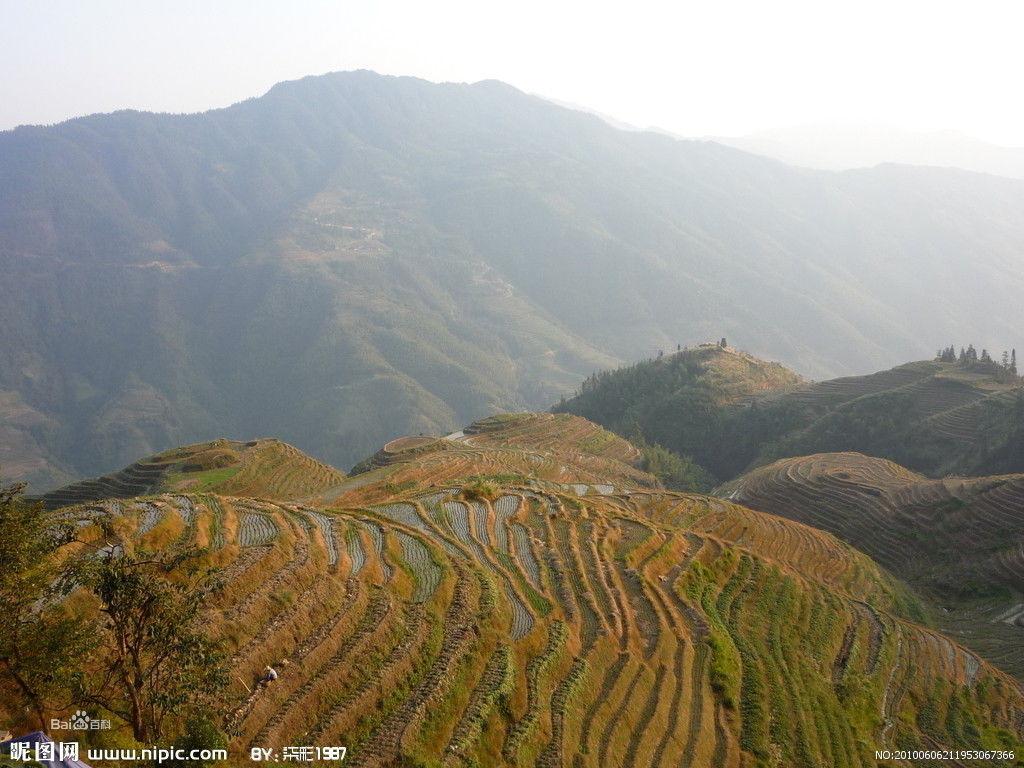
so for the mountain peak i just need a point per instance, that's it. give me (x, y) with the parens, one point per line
(362, 243)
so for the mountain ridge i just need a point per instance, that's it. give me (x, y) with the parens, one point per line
(936, 416)
(265, 467)
(839, 147)
(364, 244)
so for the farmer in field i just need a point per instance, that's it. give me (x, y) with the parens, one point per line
(269, 675)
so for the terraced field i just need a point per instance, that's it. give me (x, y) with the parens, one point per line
(960, 541)
(933, 416)
(265, 468)
(551, 450)
(452, 609)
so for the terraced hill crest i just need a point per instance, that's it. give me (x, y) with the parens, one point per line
(520, 594)
(267, 468)
(550, 450)
(958, 540)
(934, 416)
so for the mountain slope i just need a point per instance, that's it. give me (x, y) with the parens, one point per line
(935, 417)
(266, 468)
(353, 244)
(479, 620)
(958, 540)
(838, 147)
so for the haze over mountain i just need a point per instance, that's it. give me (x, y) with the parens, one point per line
(842, 147)
(352, 257)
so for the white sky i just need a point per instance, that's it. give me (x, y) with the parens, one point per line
(713, 68)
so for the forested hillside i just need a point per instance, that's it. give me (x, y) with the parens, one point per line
(728, 411)
(352, 257)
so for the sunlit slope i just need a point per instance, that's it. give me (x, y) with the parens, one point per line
(697, 402)
(958, 540)
(267, 468)
(517, 631)
(455, 609)
(548, 450)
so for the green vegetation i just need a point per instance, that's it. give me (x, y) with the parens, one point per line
(725, 411)
(101, 625)
(205, 480)
(481, 489)
(1003, 453)
(427, 629)
(679, 473)
(970, 360)
(6, 762)
(956, 542)
(407, 256)
(267, 468)
(200, 733)
(692, 403)
(157, 659)
(41, 643)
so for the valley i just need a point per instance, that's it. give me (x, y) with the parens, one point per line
(354, 256)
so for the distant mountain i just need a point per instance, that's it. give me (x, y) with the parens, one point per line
(353, 257)
(842, 147)
(730, 411)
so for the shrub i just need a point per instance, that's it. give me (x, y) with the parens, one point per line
(200, 733)
(480, 489)
(680, 473)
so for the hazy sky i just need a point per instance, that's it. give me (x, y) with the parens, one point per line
(715, 67)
